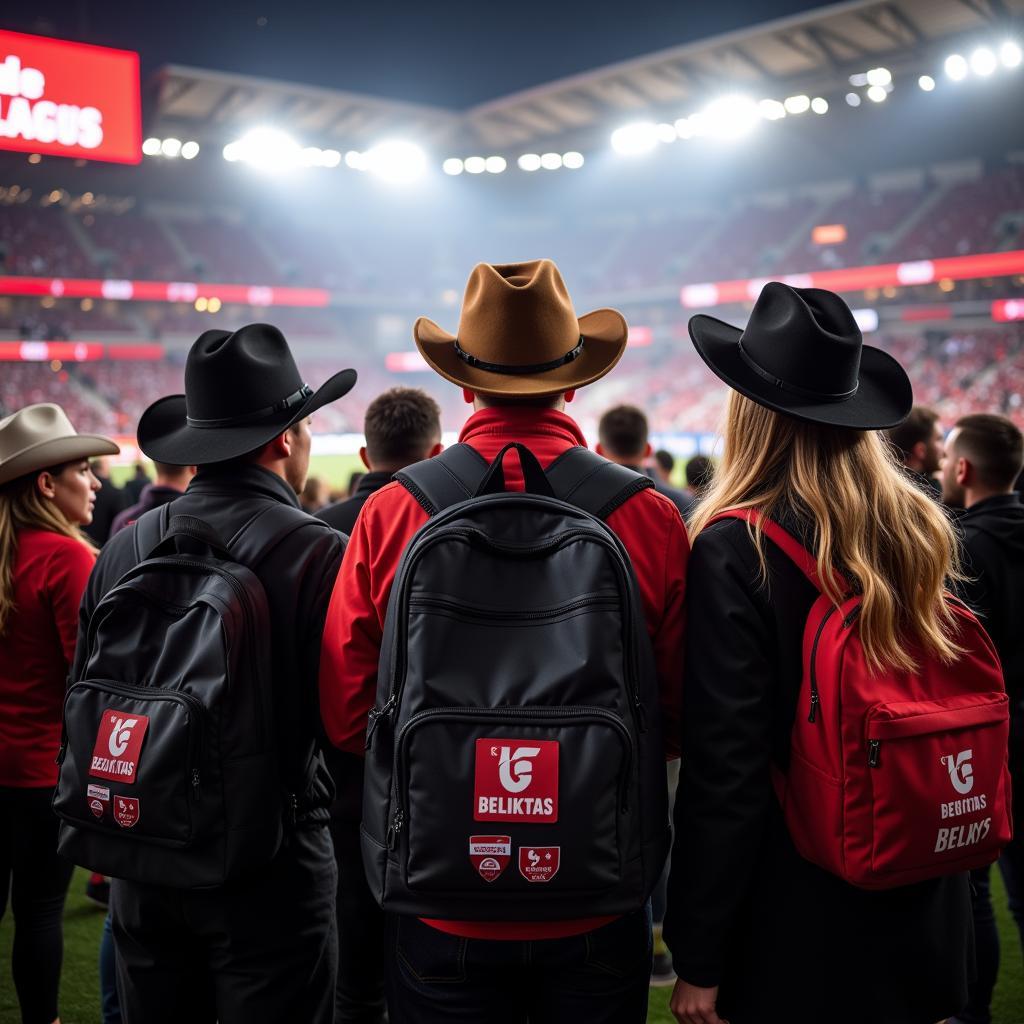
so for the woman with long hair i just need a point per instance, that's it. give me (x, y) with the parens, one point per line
(47, 491)
(757, 933)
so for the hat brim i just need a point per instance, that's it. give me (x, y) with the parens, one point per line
(884, 395)
(55, 452)
(604, 333)
(165, 435)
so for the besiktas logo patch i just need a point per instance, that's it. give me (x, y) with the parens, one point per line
(516, 780)
(539, 863)
(118, 742)
(126, 811)
(490, 855)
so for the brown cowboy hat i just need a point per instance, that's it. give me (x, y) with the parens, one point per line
(519, 335)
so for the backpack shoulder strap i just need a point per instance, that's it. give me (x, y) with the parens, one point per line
(583, 478)
(786, 542)
(150, 528)
(446, 479)
(261, 534)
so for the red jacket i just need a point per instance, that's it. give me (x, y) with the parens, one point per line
(648, 525)
(36, 651)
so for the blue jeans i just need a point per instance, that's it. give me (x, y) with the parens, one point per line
(110, 1004)
(600, 977)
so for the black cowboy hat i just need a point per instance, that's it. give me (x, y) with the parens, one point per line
(242, 389)
(802, 354)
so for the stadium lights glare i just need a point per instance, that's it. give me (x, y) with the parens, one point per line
(330, 158)
(495, 164)
(475, 165)
(529, 162)
(453, 165)
(926, 82)
(667, 133)
(397, 161)
(572, 160)
(798, 104)
(635, 139)
(190, 150)
(956, 67)
(853, 99)
(684, 130)
(170, 147)
(266, 149)
(819, 105)
(877, 94)
(879, 76)
(729, 117)
(551, 161)
(353, 159)
(859, 80)
(983, 61)
(1010, 54)
(151, 147)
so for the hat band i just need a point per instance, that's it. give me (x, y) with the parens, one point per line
(252, 417)
(480, 364)
(817, 396)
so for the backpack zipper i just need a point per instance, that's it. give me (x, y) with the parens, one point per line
(848, 621)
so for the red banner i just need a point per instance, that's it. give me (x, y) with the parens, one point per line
(1005, 311)
(76, 351)
(69, 99)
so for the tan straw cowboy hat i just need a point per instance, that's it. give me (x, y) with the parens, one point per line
(519, 335)
(40, 436)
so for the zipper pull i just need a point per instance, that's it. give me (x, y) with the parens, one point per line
(815, 704)
(376, 714)
(62, 753)
(641, 714)
(195, 783)
(874, 758)
(395, 830)
(851, 618)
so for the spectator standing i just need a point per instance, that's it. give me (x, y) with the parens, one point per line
(47, 492)
(262, 947)
(520, 354)
(758, 933)
(663, 463)
(622, 438)
(110, 499)
(134, 487)
(402, 426)
(984, 455)
(918, 442)
(700, 474)
(170, 483)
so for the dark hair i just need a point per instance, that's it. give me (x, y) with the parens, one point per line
(994, 447)
(918, 427)
(622, 431)
(401, 425)
(666, 460)
(700, 471)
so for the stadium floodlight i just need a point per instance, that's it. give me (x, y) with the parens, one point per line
(572, 160)
(453, 165)
(879, 76)
(495, 164)
(1010, 54)
(330, 158)
(151, 147)
(529, 162)
(819, 105)
(877, 94)
(983, 61)
(684, 130)
(729, 117)
(190, 150)
(355, 160)
(551, 161)
(772, 110)
(853, 99)
(311, 156)
(798, 104)
(859, 80)
(231, 152)
(635, 139)
(170, 147)
(667, 133)
(926, 82)
(475, 165)
(956, 67)
(397, 161)
(267, 149)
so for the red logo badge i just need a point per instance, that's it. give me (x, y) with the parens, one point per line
(118, 742)
(126, 811)
(516, 780)
(490, 855)
(539, 863)
(99, 797)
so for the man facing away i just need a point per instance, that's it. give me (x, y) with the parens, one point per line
(519, 357)
(984, 455)
(622, 437)
(261, 947)
(402, 426)
(918, 443)
(170, 483)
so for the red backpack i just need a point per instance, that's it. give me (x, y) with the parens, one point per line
(894, 777)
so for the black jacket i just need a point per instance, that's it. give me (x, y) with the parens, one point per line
(109, 501)
(785, 940)
(297, 575)
(342, 515)
(682, 501)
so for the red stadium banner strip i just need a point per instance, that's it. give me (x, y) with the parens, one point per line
(1006, 311)
(163, 291)
(77, 351)
(850, 279)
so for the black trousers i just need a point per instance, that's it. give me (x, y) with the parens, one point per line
(261, 949)
(37, 880)
(599, 977)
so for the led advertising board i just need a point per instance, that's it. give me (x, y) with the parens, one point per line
(69, 99)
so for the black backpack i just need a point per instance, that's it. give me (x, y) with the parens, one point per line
(169, 768)
(515, 768)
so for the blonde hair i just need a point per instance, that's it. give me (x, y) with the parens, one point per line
(869, 520)
(23, 506)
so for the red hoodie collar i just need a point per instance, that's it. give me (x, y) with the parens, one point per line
(518, 423)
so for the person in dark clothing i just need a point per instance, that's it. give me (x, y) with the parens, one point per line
(918, 443)
(170, 483)
(757, 933)
(262, 947)
(134, 487)
(402, 426)
(110, 499)
(663, 463)
(700, 472)
(984, 454)
(622, 437)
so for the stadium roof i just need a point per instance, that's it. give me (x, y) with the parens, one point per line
(810, 53)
